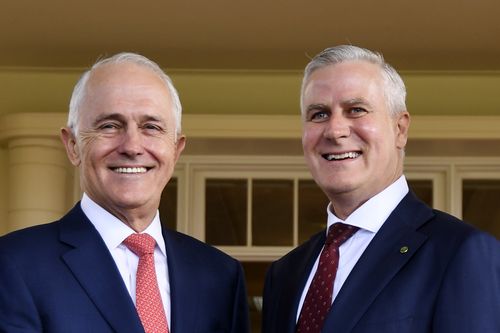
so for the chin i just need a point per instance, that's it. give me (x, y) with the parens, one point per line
(129, 201)
(337, 188)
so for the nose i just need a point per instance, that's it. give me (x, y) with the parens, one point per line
(132, 142)
(338, 126)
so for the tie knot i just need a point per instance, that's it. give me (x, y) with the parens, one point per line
(140, 244)
(338, 233)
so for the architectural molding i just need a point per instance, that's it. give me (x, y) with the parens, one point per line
(30, 125)
(256, 92)
(456, 127)
(26, 125)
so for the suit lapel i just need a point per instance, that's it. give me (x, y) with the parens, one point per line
(94, 268)
(182, 276)
(379, 263)
(296, 280)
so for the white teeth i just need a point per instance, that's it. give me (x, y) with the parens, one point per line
(131, 170)
(351, 154)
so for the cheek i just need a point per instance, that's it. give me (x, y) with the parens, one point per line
(161, 149)
(371, 125)
(375, 133)
(94, 148)
(310, 136)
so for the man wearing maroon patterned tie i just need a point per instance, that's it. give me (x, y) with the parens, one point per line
(109, 265)
(386, 262)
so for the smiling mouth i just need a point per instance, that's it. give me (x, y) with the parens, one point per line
(134, 170)
(342, 156)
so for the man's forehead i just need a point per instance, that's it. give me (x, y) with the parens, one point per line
(136, 98)
(344, 76)
(347, 69)
(136, 116)
(110, 79)
(123, 73)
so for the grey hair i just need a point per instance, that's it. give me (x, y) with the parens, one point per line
(79, 92)
(395, 91)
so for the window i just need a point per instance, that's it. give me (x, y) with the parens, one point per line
(477, 190)
(480, 204)
(226, 211)
(246, 211)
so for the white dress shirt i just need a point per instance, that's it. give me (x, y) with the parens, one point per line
(113, 232)
(369, 217)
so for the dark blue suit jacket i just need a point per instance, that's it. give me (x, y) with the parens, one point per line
(448, 281)
(61, 278)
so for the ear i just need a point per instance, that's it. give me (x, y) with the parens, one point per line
(179, 146)
(71, 146)
(402, 127)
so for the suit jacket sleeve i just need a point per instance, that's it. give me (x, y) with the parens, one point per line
(469, 300)
(268, 307)
(266, 299)
(240, 312)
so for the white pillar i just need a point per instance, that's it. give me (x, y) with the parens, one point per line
(39, 181)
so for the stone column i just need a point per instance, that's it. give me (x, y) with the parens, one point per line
(38, 180)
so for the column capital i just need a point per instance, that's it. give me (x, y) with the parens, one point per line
(30, 125)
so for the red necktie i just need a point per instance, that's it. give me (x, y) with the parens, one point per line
(148, 300)
(319, 296)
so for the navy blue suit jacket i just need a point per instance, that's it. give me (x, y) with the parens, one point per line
(61, 278)
(448, 280)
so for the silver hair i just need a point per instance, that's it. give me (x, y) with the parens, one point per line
(395, 91)
(79, 92)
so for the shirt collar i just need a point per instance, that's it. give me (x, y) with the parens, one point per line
(373, 213)
(112, 230)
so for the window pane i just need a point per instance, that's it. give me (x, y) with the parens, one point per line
(168, 205)
(480, 204)
(423, 190)
(255, 273)
(312, 209)
(272, 212)
(226, 211)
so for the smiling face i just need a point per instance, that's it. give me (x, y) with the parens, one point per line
(353, 147)
(126, 148)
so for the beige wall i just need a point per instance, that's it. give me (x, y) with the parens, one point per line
(35, 90)
(254, 92)
(3, 190)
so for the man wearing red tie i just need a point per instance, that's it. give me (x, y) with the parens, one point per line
(109, 265)
(386, 262)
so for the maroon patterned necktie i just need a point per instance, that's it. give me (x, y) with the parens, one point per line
(148, 299)
(319, 296)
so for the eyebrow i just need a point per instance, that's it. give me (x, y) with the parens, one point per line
(152, 118)
(111, 116)
(121, 118)
(316, 106)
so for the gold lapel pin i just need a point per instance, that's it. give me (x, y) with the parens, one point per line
(403, 249)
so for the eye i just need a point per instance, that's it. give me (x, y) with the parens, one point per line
(153, 128)
(357, 111)
(109, 126)
(319, 116)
